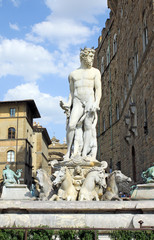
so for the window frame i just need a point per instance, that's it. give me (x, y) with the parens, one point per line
(145, 38)
(108, 56)
(102, 65)
(114, 44)
(11, 133)
(10, 156)
(12, 112)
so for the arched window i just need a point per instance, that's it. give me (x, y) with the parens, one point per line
(11, 133)
(108, 56)
(114, 44)
(10, 156)
(102, 65)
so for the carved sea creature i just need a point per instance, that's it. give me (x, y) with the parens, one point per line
(45, 184)
(88, 190)
(66, 189)
(112, 192)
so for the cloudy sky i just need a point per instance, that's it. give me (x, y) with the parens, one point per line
(40, 42)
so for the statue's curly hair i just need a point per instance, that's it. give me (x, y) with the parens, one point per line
(86, 51)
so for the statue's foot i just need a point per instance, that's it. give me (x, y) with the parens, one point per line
(87, 158)
(66, 158)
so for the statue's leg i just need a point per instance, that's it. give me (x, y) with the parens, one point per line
(76, 113)
(78, 140)
(87, 134)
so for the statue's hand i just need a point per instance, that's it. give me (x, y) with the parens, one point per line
(96, 106)
(64, 106)
(92, 108)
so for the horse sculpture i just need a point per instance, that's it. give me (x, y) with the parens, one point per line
(88, 190)
(66, 190)
(45, 184)
(114, 178)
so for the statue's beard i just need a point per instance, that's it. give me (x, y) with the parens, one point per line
(88, 63)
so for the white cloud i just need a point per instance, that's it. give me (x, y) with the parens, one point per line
(82, 10)
(30, 61)
(48, 105)
(14, 26)
(62, 32)
(16, 2)
(67, 23)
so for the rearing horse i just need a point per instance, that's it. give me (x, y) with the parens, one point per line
(112, 192)
(88, 190)
(67, 190)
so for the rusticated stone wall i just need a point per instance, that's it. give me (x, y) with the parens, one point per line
(126, 124)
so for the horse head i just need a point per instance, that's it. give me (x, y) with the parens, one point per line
(60, 176)
(102, 179)
(120, 177)
(42, 177)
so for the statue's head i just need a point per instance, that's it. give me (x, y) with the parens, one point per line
(7, 166)
(87, 56)
(78, 169)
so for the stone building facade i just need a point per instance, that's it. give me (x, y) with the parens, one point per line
(16, 136)
(56, 150)
(125, 58)
(41, 141)
(25, 144)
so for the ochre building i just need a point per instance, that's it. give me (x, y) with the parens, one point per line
(56, 150)
(16, 136)
(125, 56)
(41, 141)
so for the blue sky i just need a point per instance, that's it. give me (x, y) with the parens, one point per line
(40, 42)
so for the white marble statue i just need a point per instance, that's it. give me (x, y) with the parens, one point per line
(45, 184)
(82, 106)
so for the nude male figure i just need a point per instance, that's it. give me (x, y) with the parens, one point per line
(84, 99)
(9, 175)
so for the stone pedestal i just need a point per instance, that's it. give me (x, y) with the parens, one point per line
(143, 192)
(16, 191)
(62, 214)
